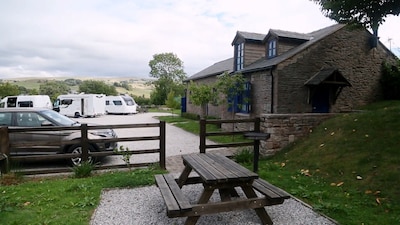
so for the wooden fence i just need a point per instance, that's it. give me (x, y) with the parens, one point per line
(5, 146)
(255, 135)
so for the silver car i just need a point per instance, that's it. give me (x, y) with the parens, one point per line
(35, 117)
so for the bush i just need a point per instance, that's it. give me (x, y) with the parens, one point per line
(390, 81)
(83, 170)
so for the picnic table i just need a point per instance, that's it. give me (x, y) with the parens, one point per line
(217, 172)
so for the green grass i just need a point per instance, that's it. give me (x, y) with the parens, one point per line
(193, 126)
(66, 200)
(349, 167)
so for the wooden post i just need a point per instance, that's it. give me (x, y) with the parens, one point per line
(4, 150)
(256, 145)
(202, 136)
(162, 145)
(84, 142)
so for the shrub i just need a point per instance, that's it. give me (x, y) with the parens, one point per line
(390, 81)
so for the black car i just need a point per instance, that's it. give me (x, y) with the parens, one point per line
(36, 117)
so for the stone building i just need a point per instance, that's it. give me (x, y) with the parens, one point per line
(334, 69)
(331, 70)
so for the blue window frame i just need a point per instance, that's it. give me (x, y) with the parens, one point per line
(241, 103)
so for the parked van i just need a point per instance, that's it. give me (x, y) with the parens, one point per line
(122, 104)
(24, 101)
(80, 105)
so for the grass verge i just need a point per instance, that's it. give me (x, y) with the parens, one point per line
(65, 200)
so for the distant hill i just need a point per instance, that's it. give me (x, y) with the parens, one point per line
(139, 86)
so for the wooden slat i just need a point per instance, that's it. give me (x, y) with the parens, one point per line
(266, 187)
(173, 197)
(203, 173)
(166, 193)
(236, 168)
(212, 167)
(182, 201)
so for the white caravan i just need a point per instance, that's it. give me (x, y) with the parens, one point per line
(122, 104)
(23, 101)
(77, 105)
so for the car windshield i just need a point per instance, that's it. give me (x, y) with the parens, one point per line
(60, 119)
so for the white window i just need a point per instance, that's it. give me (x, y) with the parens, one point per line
(272, 48)
(240, 56)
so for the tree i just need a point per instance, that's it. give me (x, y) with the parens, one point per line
(171, 101)
(231, 86)
(369, 13)
(53, 89)
(7, 89)
(201, 95)
(167, 68)
(97, 87)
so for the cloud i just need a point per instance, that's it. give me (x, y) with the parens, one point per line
(119, 38)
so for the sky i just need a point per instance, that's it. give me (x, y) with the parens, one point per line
(118, 38)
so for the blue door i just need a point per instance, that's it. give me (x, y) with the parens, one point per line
(183, 105)
(320, 100)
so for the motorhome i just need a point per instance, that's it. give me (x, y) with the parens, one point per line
(80, 105)
(23, 101)
(121, 104)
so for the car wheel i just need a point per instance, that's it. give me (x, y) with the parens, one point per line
(77, 148)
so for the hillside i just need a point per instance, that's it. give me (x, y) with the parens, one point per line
(139, 85)
(348, 168)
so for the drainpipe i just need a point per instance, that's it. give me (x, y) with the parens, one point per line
(272, 89)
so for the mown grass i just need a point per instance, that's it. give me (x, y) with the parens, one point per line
(63, 200)
(193, 126)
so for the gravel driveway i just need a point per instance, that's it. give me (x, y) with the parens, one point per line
(144, 205)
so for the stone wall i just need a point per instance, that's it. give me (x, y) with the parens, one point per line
(347, 50)
(287, 128)
(284, 128)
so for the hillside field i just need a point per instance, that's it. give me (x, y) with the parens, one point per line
(139, 85)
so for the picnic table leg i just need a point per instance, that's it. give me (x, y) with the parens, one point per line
(184, 176)
(205, 196)
(261, 212)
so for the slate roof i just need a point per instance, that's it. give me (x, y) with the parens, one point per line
(326, 74)
(315, 36)
(264, 63)
(248, 36)
(216, 69)
(289, 34)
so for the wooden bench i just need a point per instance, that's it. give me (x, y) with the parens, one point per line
(273, 194)
(177, 204)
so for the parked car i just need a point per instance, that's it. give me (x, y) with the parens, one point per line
(38, 117)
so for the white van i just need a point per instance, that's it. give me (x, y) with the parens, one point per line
(80, 105)
(122, 104)
(24, 101)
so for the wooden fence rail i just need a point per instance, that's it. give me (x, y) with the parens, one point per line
(255, 135)
(6, 158)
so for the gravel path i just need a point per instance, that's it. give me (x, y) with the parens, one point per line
(144, 205)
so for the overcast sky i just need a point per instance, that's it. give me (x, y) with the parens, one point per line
(45, 38)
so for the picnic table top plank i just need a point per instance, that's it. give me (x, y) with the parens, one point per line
(215, 168)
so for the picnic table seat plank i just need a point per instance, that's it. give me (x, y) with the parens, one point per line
(174, 199)
(273, 193)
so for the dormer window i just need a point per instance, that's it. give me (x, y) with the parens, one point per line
(239, 56)
(272, 48)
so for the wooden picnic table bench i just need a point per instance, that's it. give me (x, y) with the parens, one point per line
(217, 172)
